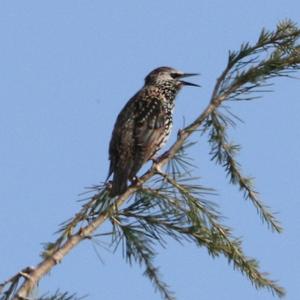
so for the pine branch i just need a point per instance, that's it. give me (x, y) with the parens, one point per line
(223, 153)
(60, 296)
(99, 203)
(138, 246)
(175, 208)
(275, 54)
(189, 218)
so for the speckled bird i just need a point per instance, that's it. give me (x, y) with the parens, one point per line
(143, 125)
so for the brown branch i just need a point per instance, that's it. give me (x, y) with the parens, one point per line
(47, 264)
(83, 233)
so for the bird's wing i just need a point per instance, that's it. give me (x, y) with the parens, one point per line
(137, 134)
(149, 131)
(122, 141)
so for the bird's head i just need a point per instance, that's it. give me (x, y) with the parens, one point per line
(169, 75)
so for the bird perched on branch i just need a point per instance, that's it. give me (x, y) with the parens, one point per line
(143, 125)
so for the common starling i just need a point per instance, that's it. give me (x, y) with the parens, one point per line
(143, 125)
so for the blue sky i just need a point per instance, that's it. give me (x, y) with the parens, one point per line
(68, 67)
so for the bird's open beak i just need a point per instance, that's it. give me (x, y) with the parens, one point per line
(188, 75)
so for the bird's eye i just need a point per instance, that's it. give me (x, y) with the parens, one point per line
(175, 75)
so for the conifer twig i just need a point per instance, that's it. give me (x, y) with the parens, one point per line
(181, 213)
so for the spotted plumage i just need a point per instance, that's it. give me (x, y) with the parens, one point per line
(143, 125)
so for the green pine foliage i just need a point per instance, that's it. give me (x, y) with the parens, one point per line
(60, 296)
(171, 203)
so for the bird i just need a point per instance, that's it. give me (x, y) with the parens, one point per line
(143, 125)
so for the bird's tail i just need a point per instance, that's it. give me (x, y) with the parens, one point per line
(119, 184)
